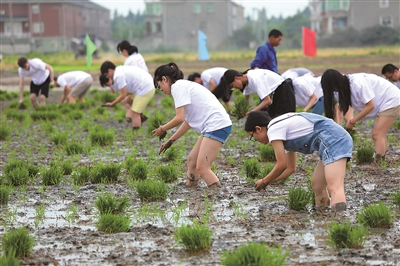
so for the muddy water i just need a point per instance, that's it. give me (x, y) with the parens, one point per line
(236, 213)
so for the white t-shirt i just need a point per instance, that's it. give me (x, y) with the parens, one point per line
(397, 84)
(316, 82)
(366, 87)
(203, 111)
(135, 79)
(303, 90)
(296, 72)
(292, 126)
(214, 73)
(72, 78)
(136, 59)
(37, 71)
(262, 81)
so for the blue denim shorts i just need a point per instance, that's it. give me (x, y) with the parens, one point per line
(219, 135)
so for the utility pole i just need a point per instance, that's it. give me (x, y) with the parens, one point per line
(12, 26)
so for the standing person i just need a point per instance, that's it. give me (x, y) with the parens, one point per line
(197, 108)
(212, 79)
(273, 90)
(266, 54)
(308, 93)
(42, 75)
(392, 73)
(133, 57)
(132, 81)
(369, 94)
(74, 84)
(293, 73)
(306, 133)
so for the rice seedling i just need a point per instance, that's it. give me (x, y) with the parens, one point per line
(395, 197)
(155, 122)
(99, 136)
(105, 173)
(82, 175)
(167, 173)
(130, 161)
(47, 107)
(4, 194)
(59, 138)
(267, 153)
(93, 91)
(17, 163)
(67, 166)
(76, 115)
(139, 170)
(266, 169)
(346, 236)
(45, 115)
(18, 176)
(13, 105)
(194, 237)
(108, 203)
(5, 131)
(72, 214)
(167, 103)
(240, 107)
(74, 148)
(171, 154)
(39, 217)
(396, 124)
(252, 168)
(9, 260)
(298, 199)
(148, 212)
(18, 241)
(106, 96)
(15, 115)
(83, 106)
(365, 154)
(48, 127)
(376, 215)
(238, 209)
(52, 176)
(113, 223)
(255, 254)
(152, 190)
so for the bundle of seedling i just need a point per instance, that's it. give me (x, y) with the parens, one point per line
(240, 107)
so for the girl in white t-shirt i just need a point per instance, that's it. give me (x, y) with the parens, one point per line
(196, 107)
(133, 57)
(306, 133)
(369, 94)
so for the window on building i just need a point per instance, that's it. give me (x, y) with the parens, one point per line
(341, 23)
(38, 27)
(153, 8)
(2, 12)
(35, 9)
(197, 8)
(337, 5)
(383, 3)
(387, 21)
(158, 26)
(14, 28)
(210, 7)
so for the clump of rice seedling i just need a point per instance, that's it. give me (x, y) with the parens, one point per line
(82, 175)
(254, 254)
(82, 106)
(167, 173)
(194, 237)
(13, 105)
(267, 153)
(48, 127)
(5, 131)
(74, 148)
(265, 170)
(129, 161)
(94, 91)
(298, 199)
(106, 97)
(47, 107)
(252, 168)
(139, 170)
(45, 115)
(52, 176)
(59, 138)
(167, 103)
(105, 173)
(67, 167)
(113, 223)
(100, 110)
(107, 203)
(4, 194)
(24, 105)
(171, 154)
(15, 115)
(395, 197)
(240, 107)
(76, 115)
(2, 97)
(155, 122)
(365, 154)
(152, 190)
(376, 215)
(346, 236)
(101, 137)
(9, 260)
(17, 163)
(19, 242)
(18, 176)
(65, 109)
(353, 133)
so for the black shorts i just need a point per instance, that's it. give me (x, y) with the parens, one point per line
(283, 101)
(42, 88)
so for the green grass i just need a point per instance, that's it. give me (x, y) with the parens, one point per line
(18, 241)
(346, 235)
(376, 215)
(194, 237)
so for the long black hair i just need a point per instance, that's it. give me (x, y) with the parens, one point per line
(333, 81)
(125, 45)
(170, 70)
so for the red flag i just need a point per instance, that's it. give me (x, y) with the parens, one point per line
(309, 42)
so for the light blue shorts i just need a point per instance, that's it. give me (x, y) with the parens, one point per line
(219, 135)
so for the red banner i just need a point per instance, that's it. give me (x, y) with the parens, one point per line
(309, 42)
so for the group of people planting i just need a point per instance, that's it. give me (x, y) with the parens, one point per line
(273, 121)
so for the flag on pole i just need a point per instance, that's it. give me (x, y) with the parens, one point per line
(90, 48)
(202, 46)
(309, 42)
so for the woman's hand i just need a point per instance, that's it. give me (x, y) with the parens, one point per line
(165, 146)
(260, 185)
(350, 124)
(159, 131)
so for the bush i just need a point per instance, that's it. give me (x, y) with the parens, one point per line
(193, 238)
(255, 254)
(240, 107)
(74, 148)
(52, 176)
(107, 203)
(105, 173)
(113, 223)
(18, 241)
(267, 153)
(167, 173)
(298, 199)
(151, 190)
(346, 236)
(376, 215)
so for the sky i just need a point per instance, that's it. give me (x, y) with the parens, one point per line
(274, 7)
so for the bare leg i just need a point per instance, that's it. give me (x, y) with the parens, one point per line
(318, 185)
(81, 99)
(127, 103)
(334, 176)
(71, 99)
(383, 123)
(136, 121)
(208, 152)
(42, 100)
(192, 174)
(33, 98)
